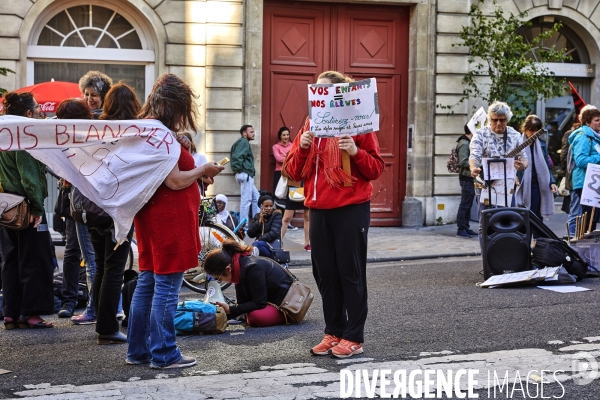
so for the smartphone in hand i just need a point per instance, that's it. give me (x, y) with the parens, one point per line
(224, 161)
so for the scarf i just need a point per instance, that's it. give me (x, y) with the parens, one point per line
(235, 267)
(331, 157)
(543, 176)
(223, 215)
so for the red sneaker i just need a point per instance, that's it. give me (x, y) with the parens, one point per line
(322, 349)
(346, 348)
(307, 248)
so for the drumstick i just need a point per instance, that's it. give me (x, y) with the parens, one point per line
(577, 227)
(591, 219)
(568, 234)
(584, 223)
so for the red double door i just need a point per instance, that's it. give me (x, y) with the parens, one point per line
(303, 39)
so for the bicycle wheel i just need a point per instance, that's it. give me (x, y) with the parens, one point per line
(212, 236)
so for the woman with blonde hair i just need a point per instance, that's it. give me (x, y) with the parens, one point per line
(339, 204)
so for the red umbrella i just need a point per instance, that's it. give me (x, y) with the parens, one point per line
(50, 94)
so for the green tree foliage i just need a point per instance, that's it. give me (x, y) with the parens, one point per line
(5, 71)
(500, 53)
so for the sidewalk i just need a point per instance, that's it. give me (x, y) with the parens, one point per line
(397, 243)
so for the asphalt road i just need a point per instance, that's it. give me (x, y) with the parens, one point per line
(414, 307)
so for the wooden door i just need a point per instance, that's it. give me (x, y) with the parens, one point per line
(303, 39)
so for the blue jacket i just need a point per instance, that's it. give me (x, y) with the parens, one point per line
(585, 146)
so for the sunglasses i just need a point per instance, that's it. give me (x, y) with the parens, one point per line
(498, 120)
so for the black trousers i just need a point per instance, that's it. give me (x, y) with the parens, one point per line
(110, 266)
(71, 264)
(27, 271)
(467, 194)
(338, 238)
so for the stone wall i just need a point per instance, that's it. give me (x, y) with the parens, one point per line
(452, 64)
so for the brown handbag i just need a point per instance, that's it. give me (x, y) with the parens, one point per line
(297, 300)
(14, 211)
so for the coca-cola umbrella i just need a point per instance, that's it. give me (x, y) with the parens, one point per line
(50, 94)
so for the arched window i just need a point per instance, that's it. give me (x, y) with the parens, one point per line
(73, 38)
(565, 38)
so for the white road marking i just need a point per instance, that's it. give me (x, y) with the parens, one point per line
(308, 381)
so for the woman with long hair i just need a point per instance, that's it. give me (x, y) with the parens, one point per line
(258, 282)
(538, 185)
(167, 235)
(26, 255)
(340, 216)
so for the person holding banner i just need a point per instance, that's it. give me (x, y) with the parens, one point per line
(538, 185)
(340, 214)
(585, 143)
(26, 255)
(167, 234)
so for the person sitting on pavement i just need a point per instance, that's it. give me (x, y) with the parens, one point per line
(258, 282)
(265, 226)
(225, 217)
(467, 189)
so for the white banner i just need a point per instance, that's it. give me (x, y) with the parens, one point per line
(343, 108)
(116, 164)
(590, 194)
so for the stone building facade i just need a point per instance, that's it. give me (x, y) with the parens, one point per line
(218, 46)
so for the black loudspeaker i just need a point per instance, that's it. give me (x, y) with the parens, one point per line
(505, 240)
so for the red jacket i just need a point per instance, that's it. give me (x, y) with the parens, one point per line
(366, 165)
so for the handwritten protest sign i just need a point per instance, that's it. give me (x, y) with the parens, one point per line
(590, 194)
(477, 121)
(343, 108)
(116, 164)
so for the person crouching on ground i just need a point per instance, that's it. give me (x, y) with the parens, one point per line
(258, 281)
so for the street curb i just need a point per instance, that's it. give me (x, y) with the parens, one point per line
(304, 263)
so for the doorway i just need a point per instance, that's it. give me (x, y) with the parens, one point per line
(302, 39)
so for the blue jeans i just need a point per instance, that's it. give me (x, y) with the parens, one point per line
(574, 212)
(151, 330)
(263, 248)
(249, 195)
(89, 258)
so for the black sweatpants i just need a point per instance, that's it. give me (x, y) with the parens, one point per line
(108, 281)
(27, 271)
(338, 238)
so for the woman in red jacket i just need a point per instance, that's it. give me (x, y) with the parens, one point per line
(339, 204)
